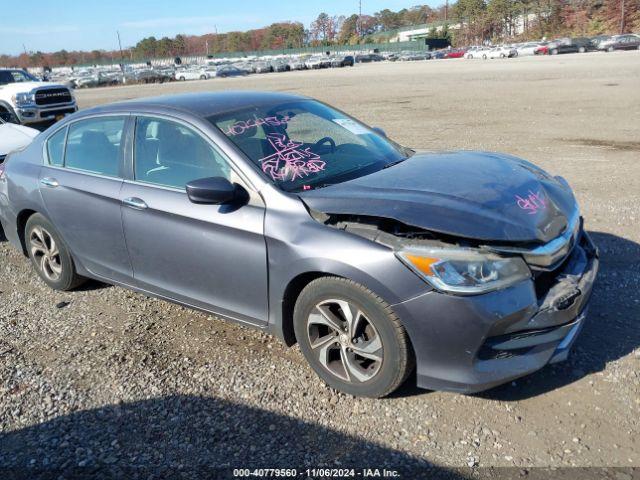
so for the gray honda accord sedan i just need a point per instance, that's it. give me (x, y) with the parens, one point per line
(282, 213)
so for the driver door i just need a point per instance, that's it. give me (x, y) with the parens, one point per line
(209, 256)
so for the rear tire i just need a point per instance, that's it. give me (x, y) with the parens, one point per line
(49, 254)
(352, 338)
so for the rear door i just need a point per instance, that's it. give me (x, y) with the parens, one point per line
(80, 185)
(631, 42)
(209, 256)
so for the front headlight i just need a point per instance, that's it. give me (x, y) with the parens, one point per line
(464, 271)
(23, 98)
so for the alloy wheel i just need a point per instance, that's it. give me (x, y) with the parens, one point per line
(45, 253)
(344, 341)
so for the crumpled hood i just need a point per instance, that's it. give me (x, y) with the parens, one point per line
(13, 137)
(475, 195)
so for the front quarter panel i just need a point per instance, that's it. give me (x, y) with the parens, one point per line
(297, 245)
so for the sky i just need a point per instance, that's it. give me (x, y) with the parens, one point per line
(50, 25)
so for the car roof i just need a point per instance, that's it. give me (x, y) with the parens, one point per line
(202, 104)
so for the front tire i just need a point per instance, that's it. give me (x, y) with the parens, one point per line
(352, 338)
(49, 255)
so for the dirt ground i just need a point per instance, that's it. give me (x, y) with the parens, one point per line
(119, 379)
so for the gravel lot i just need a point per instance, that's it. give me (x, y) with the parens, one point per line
(107, 379)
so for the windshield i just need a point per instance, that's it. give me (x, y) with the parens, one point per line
(15, 76)
(305, 144)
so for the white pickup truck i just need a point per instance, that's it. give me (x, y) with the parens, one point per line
(26, 100)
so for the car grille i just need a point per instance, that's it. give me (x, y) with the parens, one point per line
(53, 96)
(552, 254)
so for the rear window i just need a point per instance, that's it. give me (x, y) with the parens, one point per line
(55, 148)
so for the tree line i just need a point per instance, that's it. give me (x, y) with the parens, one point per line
(535, 19)
(478, 21)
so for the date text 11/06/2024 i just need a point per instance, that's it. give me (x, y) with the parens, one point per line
(316, 472)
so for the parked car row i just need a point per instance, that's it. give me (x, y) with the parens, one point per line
(556, 47)
(113, 75)
(204, 69)
(589, 44)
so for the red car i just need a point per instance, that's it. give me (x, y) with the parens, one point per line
(457, 53)
(542, 50)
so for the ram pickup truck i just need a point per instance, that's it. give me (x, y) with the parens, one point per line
(26, 100)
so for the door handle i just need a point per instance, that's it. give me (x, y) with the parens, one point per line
(134, 202)
(49, 182)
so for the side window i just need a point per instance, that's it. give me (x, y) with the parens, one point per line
(94, 145)
(170, 154)
(19, 76)
(55, 148)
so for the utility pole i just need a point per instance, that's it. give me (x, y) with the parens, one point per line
(446, 10)
(25, 49)
(120, 46)
(622, 13)
(360, 18)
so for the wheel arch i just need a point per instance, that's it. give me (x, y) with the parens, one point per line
(21, 223)
(283, 302)
(291, 293)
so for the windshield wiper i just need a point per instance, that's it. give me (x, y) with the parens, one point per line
(388, 165)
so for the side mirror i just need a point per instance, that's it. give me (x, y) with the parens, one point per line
(379, 131)
(211, 191)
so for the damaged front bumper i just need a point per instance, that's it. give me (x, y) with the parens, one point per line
(470, 344)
